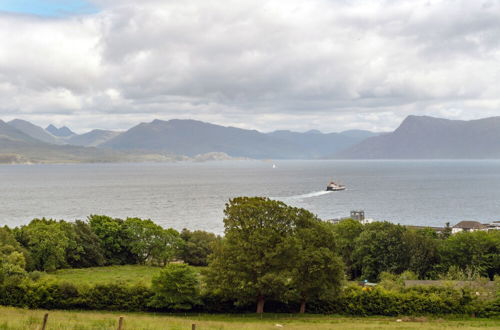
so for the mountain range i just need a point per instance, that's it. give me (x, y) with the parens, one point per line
(418, 137)
(191, 138)
(423, 137)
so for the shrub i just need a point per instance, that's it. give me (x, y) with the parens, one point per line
(176, 287)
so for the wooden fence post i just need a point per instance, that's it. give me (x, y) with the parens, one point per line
(193, 326)
(44, 324)
(120, 323)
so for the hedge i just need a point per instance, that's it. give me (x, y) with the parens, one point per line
(353, 301)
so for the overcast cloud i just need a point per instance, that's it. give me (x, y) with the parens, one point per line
(324, 64)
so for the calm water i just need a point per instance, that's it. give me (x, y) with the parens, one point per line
(193, 195)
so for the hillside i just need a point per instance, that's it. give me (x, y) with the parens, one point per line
(34, 131)
(191, 138)
(92, 139)
(18, 147)
(422, 137)
(314, 144)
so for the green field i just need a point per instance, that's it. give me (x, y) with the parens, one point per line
(15, 318)
(129, 274)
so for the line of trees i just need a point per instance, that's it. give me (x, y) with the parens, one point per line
(48, 245)
(270, 252)
(368, 250)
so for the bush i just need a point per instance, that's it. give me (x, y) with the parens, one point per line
(414, 301)
(176, 287)
(116, 297)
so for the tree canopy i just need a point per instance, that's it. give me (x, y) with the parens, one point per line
(264, 252)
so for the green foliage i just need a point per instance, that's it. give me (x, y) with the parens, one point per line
(396, 282)
(176, 287)
(477, 252)
(84, 248)
(316, 270)
(273, 251)
(62, 295)
(422, 246)
(114, 238)
(252, 261)
(150, 243)
(12, 257)
(381, 247)
(46, 241)
(346, 232)
(197, 246)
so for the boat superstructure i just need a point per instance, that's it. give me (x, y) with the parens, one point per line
(332, 186)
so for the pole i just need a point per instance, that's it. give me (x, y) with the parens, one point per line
(45, 318)
(120, 323)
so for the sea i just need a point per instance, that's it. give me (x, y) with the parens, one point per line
(193, 195)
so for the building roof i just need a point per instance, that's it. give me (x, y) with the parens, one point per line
(469, 225)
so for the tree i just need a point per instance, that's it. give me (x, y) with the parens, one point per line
(317, 269)
(476, 252)
(252, 262)
(84, 248)
(175, 287)
(346, 233)
(381, 247)
(423, 247)
(114, 239)
(197, 246)
(168, 250)
(12, 257)
(150, 242)
(46, 242)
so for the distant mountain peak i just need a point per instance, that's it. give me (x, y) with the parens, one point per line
(425, 137)
(34, 131)
(61, 132)
(314, 131)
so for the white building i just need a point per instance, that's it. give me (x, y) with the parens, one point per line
(468, 226)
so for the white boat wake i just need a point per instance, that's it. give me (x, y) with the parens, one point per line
(304, 196)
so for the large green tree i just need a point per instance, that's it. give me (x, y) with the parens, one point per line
(423, 252)
(380, 248)
(84, 247)
(150, 243)
(346, 233)
(115, 239)
(477, 251)
(46, 241)
(12, 256)
(273, 251)
(317, 270)
(252, 262)
(197, 246)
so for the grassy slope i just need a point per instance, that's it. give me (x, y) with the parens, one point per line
(15, 318)
(129, 274)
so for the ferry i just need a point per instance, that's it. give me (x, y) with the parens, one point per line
(332, 186)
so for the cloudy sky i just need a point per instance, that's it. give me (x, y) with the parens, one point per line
(297, 64)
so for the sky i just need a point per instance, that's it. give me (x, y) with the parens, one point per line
(330, 65)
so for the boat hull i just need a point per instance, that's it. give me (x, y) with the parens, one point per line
(335, 189)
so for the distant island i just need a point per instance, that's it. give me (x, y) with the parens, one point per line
(418, 137)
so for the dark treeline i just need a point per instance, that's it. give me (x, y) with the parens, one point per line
(47, 245)
(371, 249)
(272, 256)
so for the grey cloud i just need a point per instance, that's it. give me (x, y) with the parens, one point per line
(267, 65)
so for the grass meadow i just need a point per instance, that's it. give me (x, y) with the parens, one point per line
(128, 274)
(15, 318)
